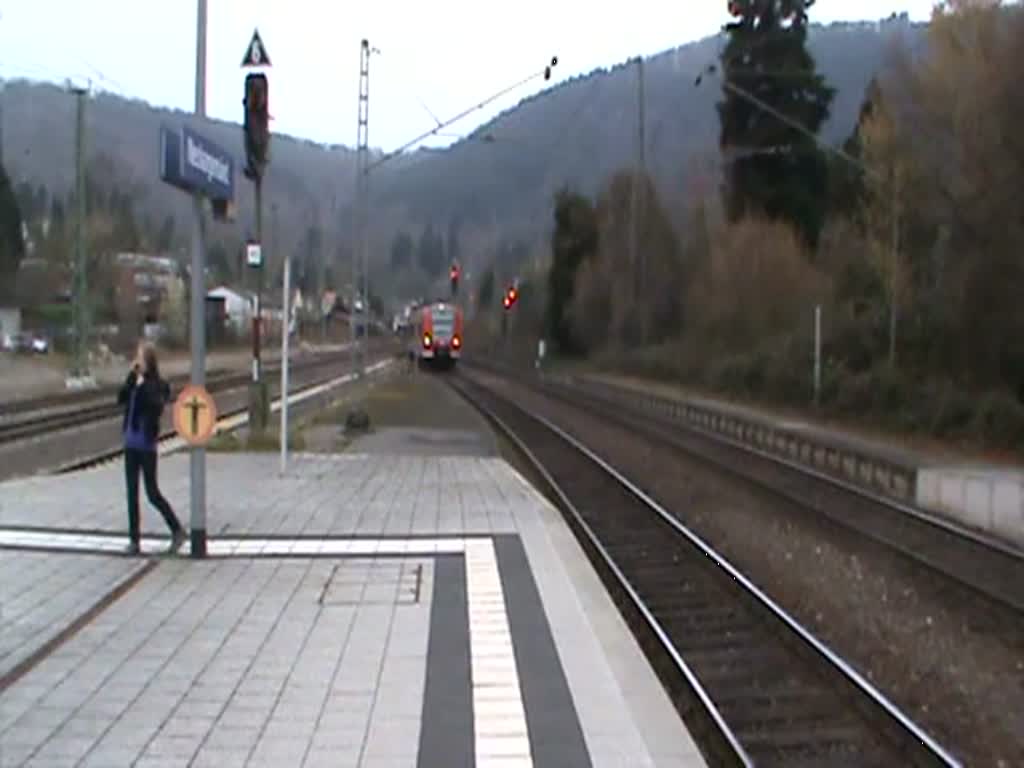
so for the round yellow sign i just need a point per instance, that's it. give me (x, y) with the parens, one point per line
(195, 415)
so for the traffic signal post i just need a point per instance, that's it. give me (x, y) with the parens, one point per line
(256, 128)
(508, 300)
(453, 277)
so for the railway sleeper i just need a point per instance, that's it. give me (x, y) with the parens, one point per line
(741, 640)
(785, 746)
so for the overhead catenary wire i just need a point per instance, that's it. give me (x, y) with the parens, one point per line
(464, 113)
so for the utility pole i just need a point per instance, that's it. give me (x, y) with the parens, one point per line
(80, 312)
(638, 260)
(273, 243)
(359, 253)
(285, 328)
(197, 326)
(322, 241)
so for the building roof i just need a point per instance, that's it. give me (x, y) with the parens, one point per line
(224, 292)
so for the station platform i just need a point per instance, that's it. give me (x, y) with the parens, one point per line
(390, 607)
(971, 492)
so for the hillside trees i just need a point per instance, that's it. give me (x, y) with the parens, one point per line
(574, 240)
(166, 235)
(773, 169)
(969, 234)
(617, 298)
(402, 248)
(917, 266)
(12, 245)
(883, 200)
(485, 293)
(175, 312)
(430, 251)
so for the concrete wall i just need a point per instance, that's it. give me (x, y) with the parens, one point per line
(988, 499)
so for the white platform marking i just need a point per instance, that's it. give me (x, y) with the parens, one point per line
(499, 721)
(104, 542)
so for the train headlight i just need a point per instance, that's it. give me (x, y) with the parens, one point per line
(456, 342)
(426, 340)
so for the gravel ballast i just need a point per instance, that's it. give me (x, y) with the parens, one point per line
(950, 660)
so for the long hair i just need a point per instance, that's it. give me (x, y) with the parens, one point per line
(151, 367)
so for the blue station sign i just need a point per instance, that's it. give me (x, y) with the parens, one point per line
(193, 163)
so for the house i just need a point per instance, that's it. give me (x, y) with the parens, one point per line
(152, 278)
(10, 324)
(238, 307)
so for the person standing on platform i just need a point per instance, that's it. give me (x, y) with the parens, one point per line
(143, 396)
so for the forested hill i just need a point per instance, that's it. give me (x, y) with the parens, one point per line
(578, 131)
(585, 129)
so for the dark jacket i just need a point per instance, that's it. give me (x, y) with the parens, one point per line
(153, 394)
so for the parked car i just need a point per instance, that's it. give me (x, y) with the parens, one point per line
(27, 343)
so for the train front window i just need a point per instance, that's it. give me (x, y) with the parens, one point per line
(444, 323)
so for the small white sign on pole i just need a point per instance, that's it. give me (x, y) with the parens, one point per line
(253, 254)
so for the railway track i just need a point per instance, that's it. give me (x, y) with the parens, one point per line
(754, 685)
(93, 409)
(18, 407)
(987, 567)
(228, 419)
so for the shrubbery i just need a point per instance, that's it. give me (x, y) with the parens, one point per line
(781, 373)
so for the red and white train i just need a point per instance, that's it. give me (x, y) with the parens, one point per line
(439, 339)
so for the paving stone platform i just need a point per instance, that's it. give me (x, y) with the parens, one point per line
(362, 610)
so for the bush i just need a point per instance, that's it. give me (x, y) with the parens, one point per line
(759, 284)
(952, 410)
(856, 341)
(781, 372)
(882, 393)
(789, 371)
(894, 391)
(999, 419)
(736, 375)
(833, 374)
(662, 362)
(854, 394)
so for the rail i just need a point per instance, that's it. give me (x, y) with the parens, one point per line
(950, 549)
(909, 739)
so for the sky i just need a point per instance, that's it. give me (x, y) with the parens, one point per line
(437, 58)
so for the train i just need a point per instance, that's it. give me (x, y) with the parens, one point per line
(439, 340)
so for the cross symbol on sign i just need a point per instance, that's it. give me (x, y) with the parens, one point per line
(195, 405)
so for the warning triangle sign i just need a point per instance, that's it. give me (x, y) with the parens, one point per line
(256, 53)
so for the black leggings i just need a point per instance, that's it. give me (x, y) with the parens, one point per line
(134, 460)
